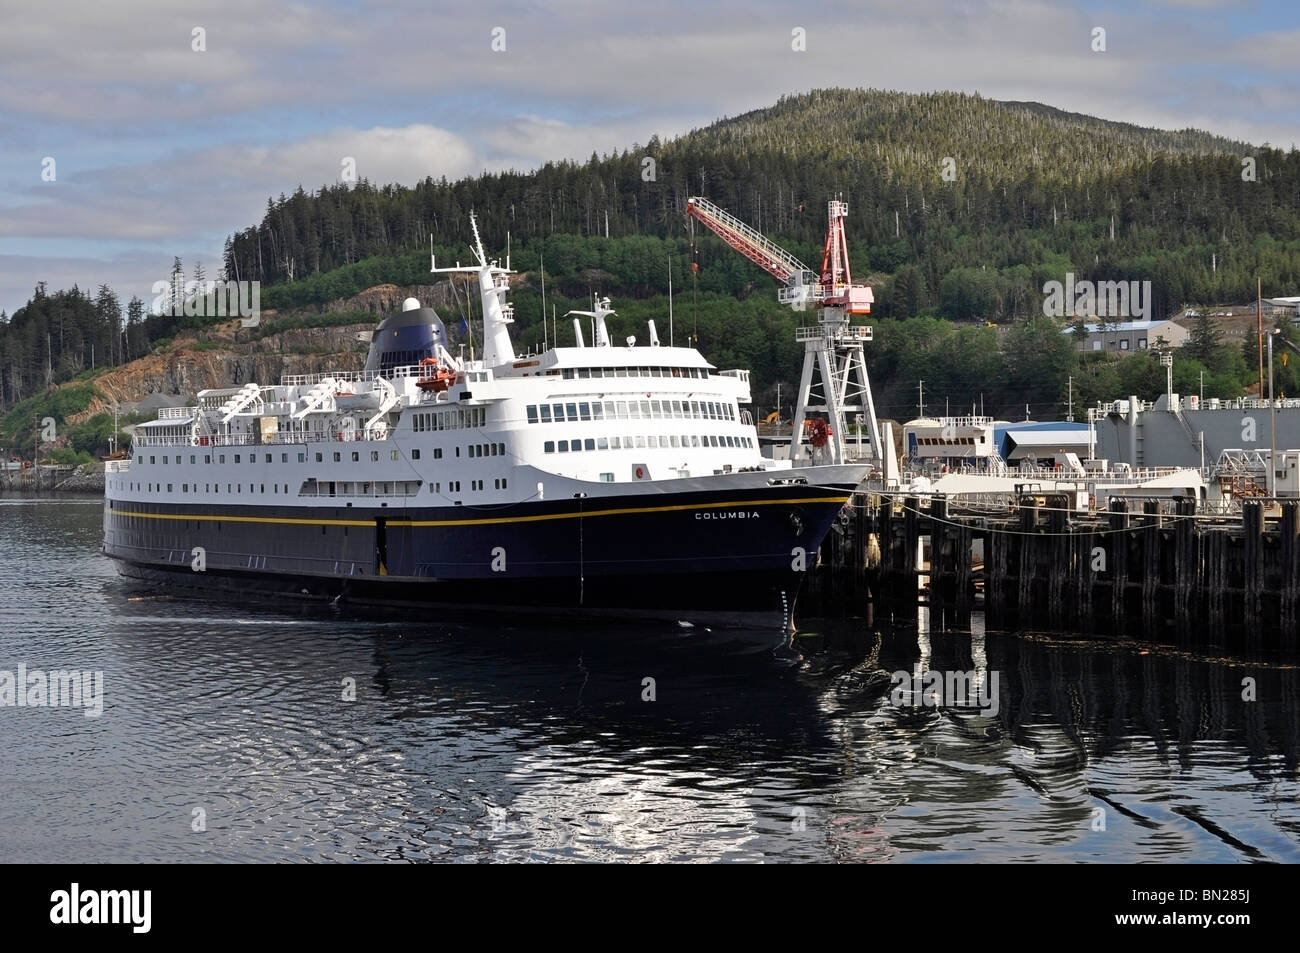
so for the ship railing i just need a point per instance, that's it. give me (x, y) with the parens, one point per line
(246, 439)
(1137, 474)
(963, 422)
(830, 331)
(177, 413)
(1131, 475)
(184, 440)
(350, 377)
(1122, 407)
(1280, 403)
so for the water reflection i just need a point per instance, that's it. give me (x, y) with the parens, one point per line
(526, 742)
(1098, 751)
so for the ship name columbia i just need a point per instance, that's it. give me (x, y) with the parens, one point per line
(725, 515)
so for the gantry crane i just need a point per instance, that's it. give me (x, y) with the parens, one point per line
(833, 348)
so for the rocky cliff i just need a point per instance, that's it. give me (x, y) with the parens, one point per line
(227, 355)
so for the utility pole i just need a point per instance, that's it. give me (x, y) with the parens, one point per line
(778, 402)
(920, 398)
(1259, 328)
(1202, 401)
(1069, 414)
(670, 307)
(1272, 423)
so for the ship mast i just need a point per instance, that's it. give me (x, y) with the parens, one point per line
(600, 311)
(494, 286)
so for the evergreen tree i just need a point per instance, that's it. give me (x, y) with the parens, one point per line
(108, 333)
(1205, 339)
(909, 291)
(176, 295)
(137, 343)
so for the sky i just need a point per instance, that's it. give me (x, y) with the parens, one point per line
(134, 131)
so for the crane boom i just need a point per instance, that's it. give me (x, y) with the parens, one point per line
(750, 242)
(799, 280)
(833, 348)
(832, 287)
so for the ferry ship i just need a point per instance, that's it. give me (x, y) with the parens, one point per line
(602, 478)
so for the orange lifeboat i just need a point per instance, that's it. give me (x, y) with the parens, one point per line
(433, 376)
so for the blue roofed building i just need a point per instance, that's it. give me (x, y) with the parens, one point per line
(981, 443)
(1043, 442)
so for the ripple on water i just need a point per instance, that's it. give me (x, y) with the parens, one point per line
(314, 736)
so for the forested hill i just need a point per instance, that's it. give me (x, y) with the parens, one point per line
(1014, 167)
(905, 132)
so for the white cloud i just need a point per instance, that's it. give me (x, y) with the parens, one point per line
(127, 274)
(382, 155)
(160, 146)
(142, 214)
(104, 62)
(525, 142)
(227, 187)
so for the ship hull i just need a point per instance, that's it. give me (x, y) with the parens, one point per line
(731, 555)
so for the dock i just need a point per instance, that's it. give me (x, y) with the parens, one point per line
(1158, 569)
(47, 478)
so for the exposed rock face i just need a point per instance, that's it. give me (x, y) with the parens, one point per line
(225, 356)
(175, 376)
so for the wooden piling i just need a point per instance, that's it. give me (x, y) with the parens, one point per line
(1026, 616)
(1150, 581)
(1119, 544)
(1188, 568)
(1252, 528)
(1289, 569)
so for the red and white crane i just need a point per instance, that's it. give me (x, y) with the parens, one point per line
(834, 288)
(833, 348)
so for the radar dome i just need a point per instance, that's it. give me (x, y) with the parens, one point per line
(410, 304)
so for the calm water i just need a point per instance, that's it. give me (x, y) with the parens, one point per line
(517, 742)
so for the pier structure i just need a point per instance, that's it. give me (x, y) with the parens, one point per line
(1158, 568)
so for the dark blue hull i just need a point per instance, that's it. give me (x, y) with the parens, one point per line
(729, 555)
